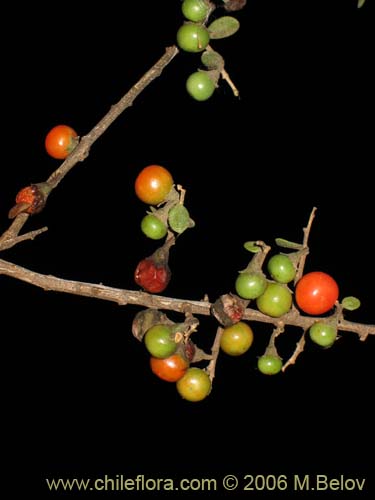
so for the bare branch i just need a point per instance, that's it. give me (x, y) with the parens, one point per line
(298, 350)
(215, 350)
(305, 246)
(139, 298)
(10, 242)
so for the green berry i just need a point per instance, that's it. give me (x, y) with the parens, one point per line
(281, 268)
(153, 227)
(195, 10)
(275, 301)
(192, 37)
(160, 342)
(200, 86)
(250, 285)
(269, 365)
(323, 334)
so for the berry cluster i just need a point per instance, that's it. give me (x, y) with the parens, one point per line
(281, 291)
(195, 35)
(167, 216)
(172, 352)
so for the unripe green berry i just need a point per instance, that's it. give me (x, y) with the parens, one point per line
(200, 86)
(269, 365)
(192, 37)
(195, 10)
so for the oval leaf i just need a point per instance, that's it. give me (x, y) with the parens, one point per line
(350, 303)
(223, 27)
(288, 244)
(179, 219)
(251, 246)
(360, 3)
(212, 60)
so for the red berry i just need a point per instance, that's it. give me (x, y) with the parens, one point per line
(153, 273)
(151, 277)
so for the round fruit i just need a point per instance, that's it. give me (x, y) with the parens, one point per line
(323, 334)
(160, 342)
(169, 369)
(195, 10)
(281, 268)
(153, 184)
(200, 86)
(236, 339)
(60, 141)
(195, 385)
(153, 227)
(250, 285)
(192, 37)
(275, 301)
(316, 293)
(269, 365)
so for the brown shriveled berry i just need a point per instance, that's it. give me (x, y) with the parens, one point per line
(30, 199)
(229, 309)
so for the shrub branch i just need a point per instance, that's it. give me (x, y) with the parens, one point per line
(133, 297)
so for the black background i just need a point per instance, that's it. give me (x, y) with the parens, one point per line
(79, 396)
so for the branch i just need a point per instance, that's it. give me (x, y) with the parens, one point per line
(298, 350)
(138, 298)
(81, 151)
(305, 247)
(215, 350)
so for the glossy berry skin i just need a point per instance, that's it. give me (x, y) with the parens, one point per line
(192, 37)
(316, 293)
(152, 277)
(153, 227)
(169, 369)
(195, 385)
(200, 86)
(194, 10)
(323, 334)
(281, 268)
(60, 141)
(269, 365)
(250, 285)
(236, 339)
(153, 184)
(159, 341)
(275, 301)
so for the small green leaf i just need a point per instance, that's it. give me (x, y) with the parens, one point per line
(179, 219)
(212, 60)
(223, 27)
(350, 303)
(360, 3)
(288, 244)
(251, 246)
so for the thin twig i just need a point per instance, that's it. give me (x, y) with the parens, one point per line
(10, 242)
(215, 350)
(305, 246)
(225, 76)
(298, 350)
